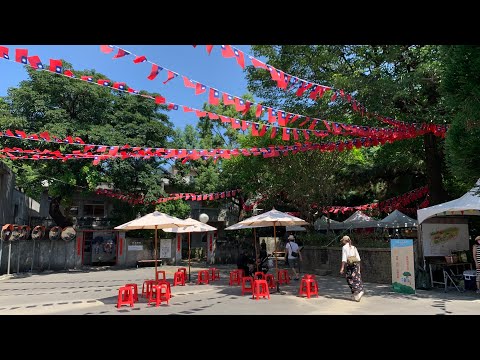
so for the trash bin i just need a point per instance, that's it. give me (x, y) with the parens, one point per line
(470, 278)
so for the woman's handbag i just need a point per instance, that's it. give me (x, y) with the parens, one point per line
(352, 260)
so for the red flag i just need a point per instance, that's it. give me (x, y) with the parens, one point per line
(274, 132)
(21, 55)
(214, 96)
(255, 127)
(103, 82)
(200, 89)
(119, 85)
(121, 53)
(286, 134)
(87, 78)
(56, 66)
(69, 73)
(209, 49)
(160, 100)
(272, 115)
(239, 104)
(106, 49)
(263, 130)
(258, 112)
(188, 83)
(139, 59)
(154, 72)
(4, 52)
(21, 134)
(303, 87)
(239, 57)
(306, 134)
(170, 76)
(228, 99)
(257, 63)
(35, 62)
(227, 51)
(45, 136)
(248, 104)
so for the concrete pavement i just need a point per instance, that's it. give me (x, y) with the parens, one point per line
(94, 292)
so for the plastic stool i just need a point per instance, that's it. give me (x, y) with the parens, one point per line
(245, 287)
(270, 280)
(135, 291)
(161, 272)
(184, 270)
(202, 277)
(214, 274)
(259, 275)
(125, 296)
(179, 278)
(158, 294)
(283, 277)
(308, 286)
(235, 278)
(147, 287)
(260, 288)
(161, 282)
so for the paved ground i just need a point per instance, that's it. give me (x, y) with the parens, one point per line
(94, 292)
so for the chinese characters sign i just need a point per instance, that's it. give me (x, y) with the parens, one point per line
(403, 273)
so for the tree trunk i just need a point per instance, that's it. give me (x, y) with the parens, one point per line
(433, 163)
(57, 214)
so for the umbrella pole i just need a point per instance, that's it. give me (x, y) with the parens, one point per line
(276, 260)
(189, 279)
(255, 243)
(155, 253)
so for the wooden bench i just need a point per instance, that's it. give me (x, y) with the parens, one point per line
(143, 263)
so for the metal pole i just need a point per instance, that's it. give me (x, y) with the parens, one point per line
(9, 253)
(1, 253)
(18, 257)
(189, 280)
(155, 254)
(276, 260)
(255, 243)
(33, 255)
(65, 265)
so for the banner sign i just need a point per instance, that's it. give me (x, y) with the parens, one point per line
(403, 273)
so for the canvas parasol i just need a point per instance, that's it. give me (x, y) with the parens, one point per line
(153, 221)
(271, 218)
(192, 226)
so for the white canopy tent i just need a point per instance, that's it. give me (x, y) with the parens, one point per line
(322, 223)
(358, 220)
(468, 204)
(397, 219)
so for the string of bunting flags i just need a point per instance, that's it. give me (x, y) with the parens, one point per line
(388, 205)
(139, 199)
(105, 152)
(257, 129)
(278, 116)
(287, 81)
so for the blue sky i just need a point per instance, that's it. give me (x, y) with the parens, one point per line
(214, 70)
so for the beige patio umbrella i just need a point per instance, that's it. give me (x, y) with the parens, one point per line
(270, 218)
(192, 226)
(153, 221)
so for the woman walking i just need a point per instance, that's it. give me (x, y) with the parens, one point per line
(351, 261)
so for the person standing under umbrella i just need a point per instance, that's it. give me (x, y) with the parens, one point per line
(292, 253)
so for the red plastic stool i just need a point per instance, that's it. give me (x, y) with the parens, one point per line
(179, 278)
(125, 296)
(202, 277)
(245, 287)
(270, 280)
(158, 294)
(147, 287)
(241, 272)
(135, 291)
(214, 274)
(184, 270)
(283, 277)
(259, 275)
(163, 274)
(160, 282)
(260, 288)
(308, 286)
(235, 278)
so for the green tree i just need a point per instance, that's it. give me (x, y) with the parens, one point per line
(399, 81)
(98, 115)
(462, 91)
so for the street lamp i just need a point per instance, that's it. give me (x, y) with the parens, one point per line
(203, 218)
